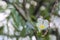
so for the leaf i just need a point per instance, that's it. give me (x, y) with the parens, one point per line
(45, 14)
(31, 10)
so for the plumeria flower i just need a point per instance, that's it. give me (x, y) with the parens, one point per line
(42, 24)
(3, 4)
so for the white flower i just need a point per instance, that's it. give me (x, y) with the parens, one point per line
(40, 19)
(42, 24)
(3, 4)
(27, 5)
(56, 21)
(7, 12)
(4, 14)
(52, 25)
(20, 28)
(34, 3)
(33, 38)
(42, 8)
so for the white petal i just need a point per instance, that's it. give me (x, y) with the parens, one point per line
(2, 16)
(3, 4)
(7, 11)
(20, 28)
(57, 21)
(1, 37)
(4, 21)
(46, 23)
(33, 38)
(40, 20)
(37, 24)
(11, 28)
(52, 25)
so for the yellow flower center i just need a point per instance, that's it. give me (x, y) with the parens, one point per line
(42, 26)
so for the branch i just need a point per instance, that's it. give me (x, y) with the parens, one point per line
(24, 3)
(20, 11)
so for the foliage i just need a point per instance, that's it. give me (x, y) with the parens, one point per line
(26, 16)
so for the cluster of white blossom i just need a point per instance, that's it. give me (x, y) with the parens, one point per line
(42, 24)
(5, 13)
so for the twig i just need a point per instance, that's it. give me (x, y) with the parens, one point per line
(26, 10)
(20, 11)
